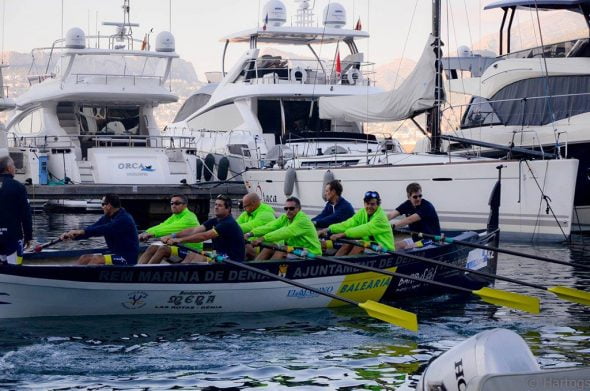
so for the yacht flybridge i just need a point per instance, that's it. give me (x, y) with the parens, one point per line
(536, 98)
(265, 108)
(88, 115)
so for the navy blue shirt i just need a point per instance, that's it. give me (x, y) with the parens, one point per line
(230, 238)
(428, 223)
(333, 214)
(120, 234)
(15, 214)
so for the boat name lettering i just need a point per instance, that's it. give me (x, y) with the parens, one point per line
(306, 294)
(269, 198)
(115, 276)
(361, 286)
(244, 275)
(460, 376)
(177, 300)
(135, 166)
(427, 274)
(335, 269)
(173, 277)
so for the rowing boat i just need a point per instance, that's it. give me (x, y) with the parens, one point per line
(47, 284)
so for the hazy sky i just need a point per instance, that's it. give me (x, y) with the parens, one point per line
(198, 25)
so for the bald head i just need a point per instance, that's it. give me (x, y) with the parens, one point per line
(7, 165)
(251, 202)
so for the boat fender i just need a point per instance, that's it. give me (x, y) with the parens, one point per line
(209, 165)
(328, 177)
(497, 351)
(199, 169)
(222, 168)
(298, 74)
(290, 179)
(354, 76)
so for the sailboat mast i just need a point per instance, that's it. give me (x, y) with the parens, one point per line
(434, 115)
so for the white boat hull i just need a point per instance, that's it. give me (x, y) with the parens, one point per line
(459, 192)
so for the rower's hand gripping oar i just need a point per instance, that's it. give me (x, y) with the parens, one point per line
(38, 248)
(396, 316)
(445, 239)
(489, 295)
(565, 293)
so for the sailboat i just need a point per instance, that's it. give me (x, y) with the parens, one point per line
(534, 203)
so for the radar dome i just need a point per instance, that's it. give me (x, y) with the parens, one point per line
(75, 38)
(274, 13)
(165, 42)
(334, 15)
(464, 51)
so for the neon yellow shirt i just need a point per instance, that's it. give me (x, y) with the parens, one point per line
(371, 228)
(176, 223)
(262, 215)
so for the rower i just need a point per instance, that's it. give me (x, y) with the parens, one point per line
(181, 219)
(420, 215)
(336, 210)
(119, 231)
(223, 230)
(294, 228)
(369, 224)
(256, 213)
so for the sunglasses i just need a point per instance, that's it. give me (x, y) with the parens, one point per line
(177, 203)
(417, 196)
(290, 208)
(371, 194)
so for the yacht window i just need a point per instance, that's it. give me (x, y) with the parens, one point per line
(191, 105)
(547, 99)
(335, 150)
(239, 149)
(219, 118)
(479, 113)
(112, 120)
(31, 123)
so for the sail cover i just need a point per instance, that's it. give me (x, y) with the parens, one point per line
(414, 95)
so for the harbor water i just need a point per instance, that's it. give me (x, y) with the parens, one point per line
(341, 349)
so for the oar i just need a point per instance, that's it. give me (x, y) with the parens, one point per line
(489, 295)
(495, 249)
(396, 316)
(38, 248)
(565, 293)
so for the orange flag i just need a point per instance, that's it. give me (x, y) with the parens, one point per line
(338, 65)
(358, 26)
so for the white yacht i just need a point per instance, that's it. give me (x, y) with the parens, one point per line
(88, 115)
(537, 98)
(534, 204)
(265, 110)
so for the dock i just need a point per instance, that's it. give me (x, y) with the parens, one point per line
(146, 200)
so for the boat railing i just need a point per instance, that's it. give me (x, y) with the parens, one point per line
(106, 79)
(275, 70)
(4, 92)
(103, 141)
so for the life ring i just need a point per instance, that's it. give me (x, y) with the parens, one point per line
(298, 74)
(328, 177)
(290, 179)
(353, 76)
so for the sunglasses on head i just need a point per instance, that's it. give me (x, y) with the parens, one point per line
(417, 196)
(289, 208)
(371, 194)
(176, 203)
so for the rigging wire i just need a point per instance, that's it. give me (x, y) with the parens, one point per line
(3, 24)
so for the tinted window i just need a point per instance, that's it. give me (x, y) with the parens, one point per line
(191, 105)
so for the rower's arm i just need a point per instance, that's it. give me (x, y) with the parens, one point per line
(190, 231)
(408, 220)
(393, 214)
(199, 236)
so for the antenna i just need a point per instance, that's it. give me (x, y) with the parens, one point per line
(122, 33)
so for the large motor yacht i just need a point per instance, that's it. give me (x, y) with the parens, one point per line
(88, 117)
(265, 109)
(536, 98)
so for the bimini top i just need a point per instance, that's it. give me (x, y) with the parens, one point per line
(542, 4)
(296, 35)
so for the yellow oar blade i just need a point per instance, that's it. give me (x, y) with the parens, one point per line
(401, 318)
(510, 299)
(571, 294)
